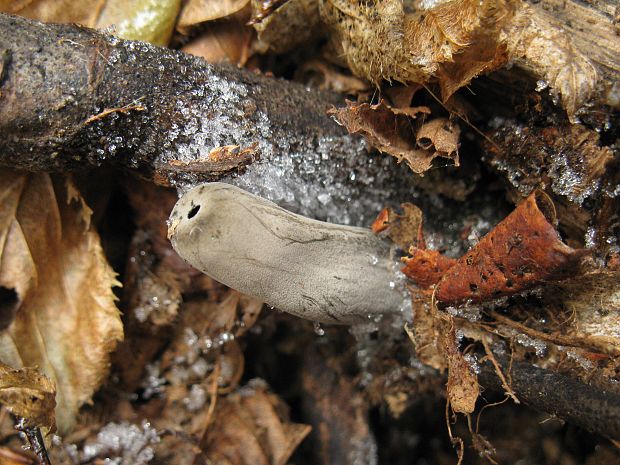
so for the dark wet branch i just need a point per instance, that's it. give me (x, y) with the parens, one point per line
(72, 97)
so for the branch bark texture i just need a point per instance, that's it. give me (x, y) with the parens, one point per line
(72, 97)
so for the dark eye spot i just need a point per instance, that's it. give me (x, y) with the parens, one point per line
(193, 212)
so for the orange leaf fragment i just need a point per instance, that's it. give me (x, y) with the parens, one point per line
(426, 267)
(523, 250)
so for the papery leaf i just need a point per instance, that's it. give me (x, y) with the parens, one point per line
(61, 317)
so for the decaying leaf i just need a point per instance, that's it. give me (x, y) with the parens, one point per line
(403, 229)
(195, 12)
(394, 131)
(27, 393)
(146, 20)
(463, 388)
(426, 267)
(523, 250)
(84, 12)
(385, 40)
(548, 51)
(227, 40)
(426, 333)
(455, 41)
(251, 427)
(63, 318)
(287, 26)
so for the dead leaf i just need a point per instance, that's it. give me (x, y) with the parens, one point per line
(64, 319)
(287, 26)
(84, 12)
(195, 12)
(257, 420)
(535, 43)
(426, 267)
(426, 333)
(463, 388)
(393, 131)
(27, 393)
(227, 40)
(523, 250)
(442, 136)
(146, 20)
(403, 229)
(385, 41)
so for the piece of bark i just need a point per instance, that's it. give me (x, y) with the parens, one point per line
(71, 97)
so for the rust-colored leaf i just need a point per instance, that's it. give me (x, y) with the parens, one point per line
(28, 394)
(426, 267)
(523, 250)
(57, 288)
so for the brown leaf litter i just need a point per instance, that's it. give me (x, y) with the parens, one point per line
(455, 41)
(401, 134)
(522, 251)
(60, 312)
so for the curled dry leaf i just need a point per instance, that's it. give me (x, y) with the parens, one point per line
(403, 229)
(287, 26)
(195, 12)
(393, 131)
(57, 288)
(251, 427)
(523, 250)
(426, 267)
(27, 393)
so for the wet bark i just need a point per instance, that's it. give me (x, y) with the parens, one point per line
(72, 97)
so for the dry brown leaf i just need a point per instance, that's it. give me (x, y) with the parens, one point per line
(256, 420)
(288, 26)
(228, 40)
(426, 333)
(455, 41)
(84, 12)
(549, 52)
(383, 41)
(53, 269)
(195, 12)
(463, 388)
(403, 229)
(442, 136)
(28, 394)
(393, 131)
